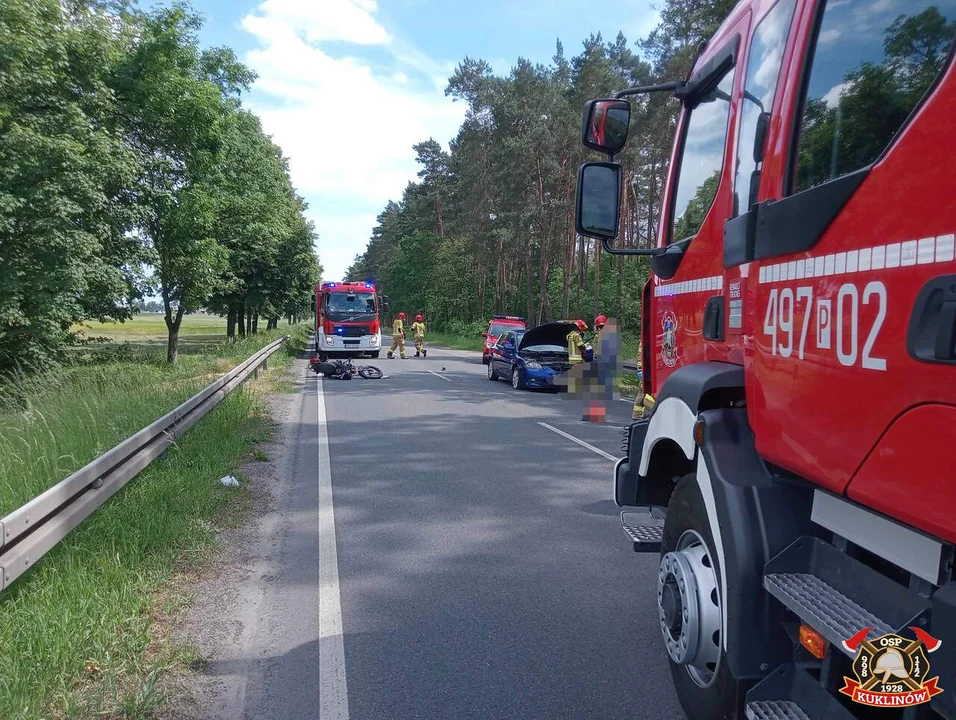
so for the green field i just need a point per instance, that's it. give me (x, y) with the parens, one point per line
(148, 326)
(78, 631)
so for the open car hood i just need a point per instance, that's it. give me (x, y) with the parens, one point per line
(552, 333)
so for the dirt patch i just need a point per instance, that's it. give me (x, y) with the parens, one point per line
(216, 619)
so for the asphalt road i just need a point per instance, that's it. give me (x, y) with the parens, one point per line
(477, 568)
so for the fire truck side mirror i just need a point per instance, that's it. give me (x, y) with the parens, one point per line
(384, 299)
(598, 204)
(605, 125)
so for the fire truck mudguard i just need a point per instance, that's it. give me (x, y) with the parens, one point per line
(758, 515)
(661, 448)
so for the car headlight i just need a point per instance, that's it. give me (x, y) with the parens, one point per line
(532, 365)
(374, 340)
(328, 340)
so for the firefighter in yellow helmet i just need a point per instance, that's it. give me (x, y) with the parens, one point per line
(398, 337)
(418, 332)
(576, 344)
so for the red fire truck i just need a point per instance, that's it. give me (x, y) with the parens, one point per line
(347, 319)
(799, 343)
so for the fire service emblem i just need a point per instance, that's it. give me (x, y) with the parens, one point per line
(891, 671)
(668, 339)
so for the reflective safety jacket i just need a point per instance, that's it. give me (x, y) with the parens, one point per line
(575, 343)
(398, 327)
(418, 328)
(596, 342)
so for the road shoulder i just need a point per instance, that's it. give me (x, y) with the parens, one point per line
(225, 618)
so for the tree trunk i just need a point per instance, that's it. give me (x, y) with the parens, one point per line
(568, 269)
(255, 324)
(248, 321)
(530, 296)
(597, 279)
(231, 323)
(173, 324)
(241, 319)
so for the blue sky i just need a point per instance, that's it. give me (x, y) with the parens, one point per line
(315, 57)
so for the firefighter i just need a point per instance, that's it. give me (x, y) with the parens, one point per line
(576, 344)
(599, 322)
(643, 402)
(398, 337)
(418, 332)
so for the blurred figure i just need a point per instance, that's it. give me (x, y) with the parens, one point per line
(599, 391)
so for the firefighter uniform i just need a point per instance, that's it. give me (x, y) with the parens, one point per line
(418, 331)
(575, 347)
(398, 337)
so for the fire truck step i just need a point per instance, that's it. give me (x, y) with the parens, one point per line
(837, 595)
(646, 538)
(789, 693)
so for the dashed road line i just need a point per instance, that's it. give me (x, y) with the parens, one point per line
(580, 442)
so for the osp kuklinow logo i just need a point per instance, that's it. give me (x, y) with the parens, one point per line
(891, 671)
(668, 339)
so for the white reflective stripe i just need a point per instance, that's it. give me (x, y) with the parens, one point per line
(693, 285)
(923, 251)
(672, 419)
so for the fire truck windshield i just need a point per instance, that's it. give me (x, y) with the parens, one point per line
(352, 306)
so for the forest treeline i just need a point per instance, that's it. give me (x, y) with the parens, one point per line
(489, 226)
(130, 169)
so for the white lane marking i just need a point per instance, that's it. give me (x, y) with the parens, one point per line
(441, 376)
(333, 690)
(589, 446)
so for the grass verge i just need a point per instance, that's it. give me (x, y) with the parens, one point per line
(53, 424)
(455, 342)
(79, 633)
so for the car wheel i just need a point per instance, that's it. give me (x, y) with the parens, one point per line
(516, 381)
(691, 617)
(492, 375)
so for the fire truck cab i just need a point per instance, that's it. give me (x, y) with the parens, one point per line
(799, 343)
(347, 319)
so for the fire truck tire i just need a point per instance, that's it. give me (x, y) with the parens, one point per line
(690, 621)
(377, 353)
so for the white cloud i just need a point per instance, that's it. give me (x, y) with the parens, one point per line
(833, 95)
(828, 37)
(343, 20)
(346, 122)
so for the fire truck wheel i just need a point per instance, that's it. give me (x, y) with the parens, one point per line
(689, 608)
(376, 354)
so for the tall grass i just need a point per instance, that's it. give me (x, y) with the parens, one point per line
(77, 632)
(55, 423)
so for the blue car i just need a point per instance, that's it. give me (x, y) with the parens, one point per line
(535, 358)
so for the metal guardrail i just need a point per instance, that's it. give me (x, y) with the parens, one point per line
(30, 531)
(630, 367)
